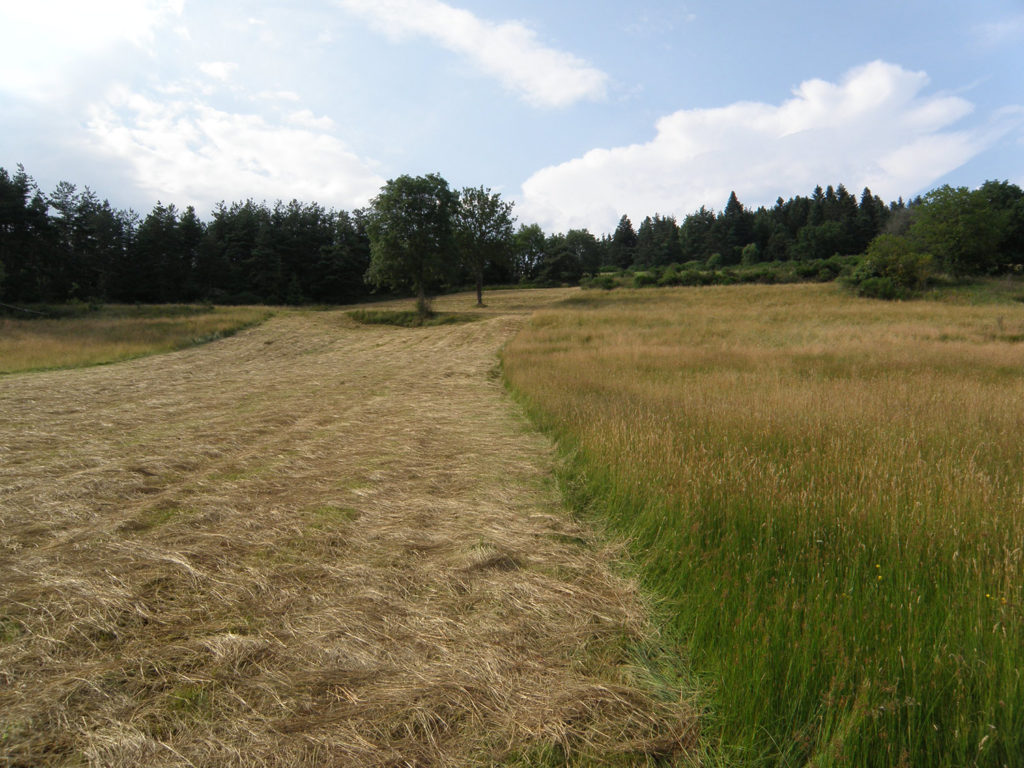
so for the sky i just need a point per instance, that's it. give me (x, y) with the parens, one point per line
(578, 112)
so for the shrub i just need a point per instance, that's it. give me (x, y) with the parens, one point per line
(891, 269)
(603, 281)
(879, 288)
(692, 277)
(670, 276)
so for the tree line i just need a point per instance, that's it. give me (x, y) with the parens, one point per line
(419, 235)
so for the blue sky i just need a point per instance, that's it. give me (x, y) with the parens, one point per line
(577, 111)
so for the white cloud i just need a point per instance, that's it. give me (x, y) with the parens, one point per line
(188, 152)
(306, 119)
(1008, 30)
(218, 70)
(509, 50)
(874, 129)
(41, 38)
(278, 96)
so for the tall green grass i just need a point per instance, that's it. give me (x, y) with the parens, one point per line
(829, 494)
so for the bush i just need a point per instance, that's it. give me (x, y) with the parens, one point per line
(691, 277)
(750, 254)
(603, 281)
(879, 288)
(762, 275)
(891, 269)
(642, 279)
(670, 276)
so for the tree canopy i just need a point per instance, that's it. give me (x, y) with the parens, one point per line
(410, 225)
(960, 228)
(420, 236)
(483, 231)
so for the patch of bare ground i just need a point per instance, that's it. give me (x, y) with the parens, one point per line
(314, 543)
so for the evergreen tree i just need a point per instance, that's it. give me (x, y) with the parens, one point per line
(27, 238)
(622, 248)
(735, 228)
(190, 236)
(561, 262)
(645, 247)
(342, 263)
(697, 237)
(158, 270)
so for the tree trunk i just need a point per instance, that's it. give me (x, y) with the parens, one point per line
(422, 302)
(480, 288)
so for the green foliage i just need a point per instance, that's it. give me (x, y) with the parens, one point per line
(528, 247)
(411, 236)
(622, 248)
(483, 232)
(892, 268)
(750, 254)
(960, 228)
(735, 228)
(605, 282)
(70, 245)
(658, 242)
(409, 319)
(1008, 200)
(643, 279)
(669, 275)
(567, 257)
(818, 241)
(695, 273)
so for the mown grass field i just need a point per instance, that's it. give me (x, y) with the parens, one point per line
(829, 494)
(315, 543)
(115, 333)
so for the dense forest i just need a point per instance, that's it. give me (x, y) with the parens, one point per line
(69, 245)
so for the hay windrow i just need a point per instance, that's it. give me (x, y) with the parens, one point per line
(309, 544)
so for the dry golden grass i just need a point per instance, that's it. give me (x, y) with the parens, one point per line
(117, 333)
(313, 543)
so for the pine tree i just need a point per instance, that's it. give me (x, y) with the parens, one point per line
(622, 249)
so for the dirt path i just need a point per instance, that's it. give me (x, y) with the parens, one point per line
(314, 543)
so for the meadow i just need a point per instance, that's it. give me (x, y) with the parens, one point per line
(827, 494)
(317, 542)
(115, 333)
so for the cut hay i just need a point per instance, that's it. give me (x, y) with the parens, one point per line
(313, 543)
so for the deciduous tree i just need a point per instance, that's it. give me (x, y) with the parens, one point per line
(483, 231)
(960, 228)
(411, 235)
